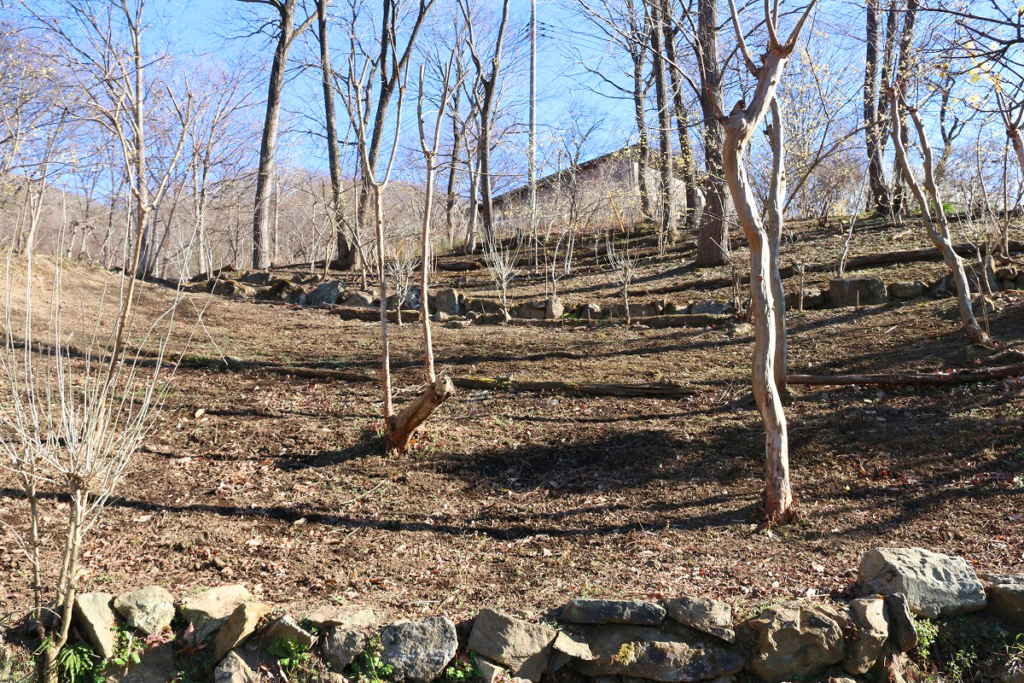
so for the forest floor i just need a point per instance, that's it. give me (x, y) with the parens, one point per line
(521, 501)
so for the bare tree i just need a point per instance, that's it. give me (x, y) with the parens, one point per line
(932, 210)
(487, 85)
(713, 235)
(348, 257)
(287, 32)
(740, 126)
(658, 22)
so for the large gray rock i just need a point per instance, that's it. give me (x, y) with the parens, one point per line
(95, 620)
(342, 645)
(234, 669)
(287, 629)
(531, 310)
(902, 631)
(813, 298)
(149, 609)
(208, 611)
(655, 654)
(1005, 593)
(637, 612)
(447, 301)
(326, 294)
(935, 585)
(553, 308)
(871, 630)
(358, 300)
(521, 647)
(712, 307)
(239, 627)
(704, 614)
(483, 306)
(795, 640)
(419, 650)
(849, 291)
(906, 290)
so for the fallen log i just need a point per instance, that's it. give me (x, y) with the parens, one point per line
(460, 266)
(913, 378)
(654, 321)
(647, 389)
(372, 315)
(855, 263)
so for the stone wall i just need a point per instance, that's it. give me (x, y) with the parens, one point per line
(686, 638)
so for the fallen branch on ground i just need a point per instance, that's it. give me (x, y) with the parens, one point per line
(915, 378)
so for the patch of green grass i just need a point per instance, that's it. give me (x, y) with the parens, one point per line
(462, 671)
(369, 667)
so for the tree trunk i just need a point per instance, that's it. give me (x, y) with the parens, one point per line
(713, 234)
(873, 134)
(345, 253)
(668, 193)
(740, 125)
(385, 353)
(682, 120)
(938, 226)
(643, 161)
(268, 143)
(776, 200)
(401, 427)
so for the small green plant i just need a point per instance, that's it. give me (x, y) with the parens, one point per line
(79, 664)
(960, 664)
(463, 671)
(927, 632)
(129, 648)
(369, 667)
(296, 663)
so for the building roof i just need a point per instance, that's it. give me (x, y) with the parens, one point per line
(522, 191)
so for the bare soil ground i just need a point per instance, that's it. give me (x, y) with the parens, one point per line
(521, 501)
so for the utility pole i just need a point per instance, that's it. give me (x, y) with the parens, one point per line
(533, 122)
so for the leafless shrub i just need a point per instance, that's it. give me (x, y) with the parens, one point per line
(501, 260)
(71, 421)
(623, 265)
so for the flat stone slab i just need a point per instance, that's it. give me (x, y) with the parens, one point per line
(795, 641)
(208, 611)
(520, 646)
(349, 617)
(635, 612)
(934, 584)
(654, 654)
(92, 614)
(239, 627)
(703, 614)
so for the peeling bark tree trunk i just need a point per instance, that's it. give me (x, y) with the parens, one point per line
(739, 128)
(776, 201)
(938, 226)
